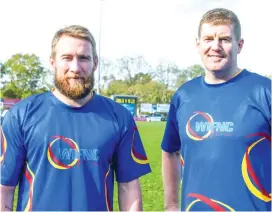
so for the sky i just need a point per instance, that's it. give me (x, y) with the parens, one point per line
(156, 29)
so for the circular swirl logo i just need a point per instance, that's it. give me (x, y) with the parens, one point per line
(54, 161)
(191, 133)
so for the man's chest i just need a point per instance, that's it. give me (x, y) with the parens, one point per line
(66, 140)
(219, 119)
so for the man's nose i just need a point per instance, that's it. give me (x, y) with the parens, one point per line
(75, 66)
(216, 45)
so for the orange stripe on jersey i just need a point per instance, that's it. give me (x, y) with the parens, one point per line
(107, 196)
(208, 201)
(247, 171)
(181, 160)
(138, 158)
(3, 145)
(30, 178)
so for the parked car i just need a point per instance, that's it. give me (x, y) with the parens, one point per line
(155, 117)
(140, 118)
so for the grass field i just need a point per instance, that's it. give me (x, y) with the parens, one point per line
(151, 184)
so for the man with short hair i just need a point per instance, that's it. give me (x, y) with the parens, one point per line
(63, 147)
(219, 128)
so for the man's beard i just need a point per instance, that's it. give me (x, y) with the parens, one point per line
(78, 90)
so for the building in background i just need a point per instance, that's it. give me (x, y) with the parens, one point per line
(6, 103)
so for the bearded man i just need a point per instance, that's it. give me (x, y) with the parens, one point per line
(63, 147)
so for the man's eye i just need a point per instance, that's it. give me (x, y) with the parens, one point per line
(84, 58)
(225, 39)
(66, 58)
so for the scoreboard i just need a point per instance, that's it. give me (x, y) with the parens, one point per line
(128, 101)
(123, 100)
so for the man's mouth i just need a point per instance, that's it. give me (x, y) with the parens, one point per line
(75, 78)
(216, 56)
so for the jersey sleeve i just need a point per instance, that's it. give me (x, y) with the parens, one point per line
(269, 100)
(12, 151)
(131, 161)
(171, 140)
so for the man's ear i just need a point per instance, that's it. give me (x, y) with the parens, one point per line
(240, 45)
(52, 63)
(197, 43)
(95, 63)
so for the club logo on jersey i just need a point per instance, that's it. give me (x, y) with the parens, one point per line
(201, 126)
(64, 153)
(251, 179)
(211, 203)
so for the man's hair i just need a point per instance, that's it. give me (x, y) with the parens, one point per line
(75, 31)
(220, 16)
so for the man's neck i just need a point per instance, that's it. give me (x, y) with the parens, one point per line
(218, 77)
(71, 102)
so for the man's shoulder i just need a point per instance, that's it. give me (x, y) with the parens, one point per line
(20, 111)
(258, 82)
(188, 89)
(117, 112)
(107, 101)
(256, 78)
(112, 105)
(30, 101)
(195, 82)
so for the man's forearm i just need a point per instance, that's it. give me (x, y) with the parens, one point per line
(171, 170)
(7, 196)
(129, 196)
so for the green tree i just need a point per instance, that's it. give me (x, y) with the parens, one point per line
(129, 66)
(24, 76)
(117, 87)
(106, 72)
(141, 78)
(152, 93)
(188, 74)
(165, 73)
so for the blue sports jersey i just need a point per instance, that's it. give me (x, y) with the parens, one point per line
(65, 158)
(223, 132)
